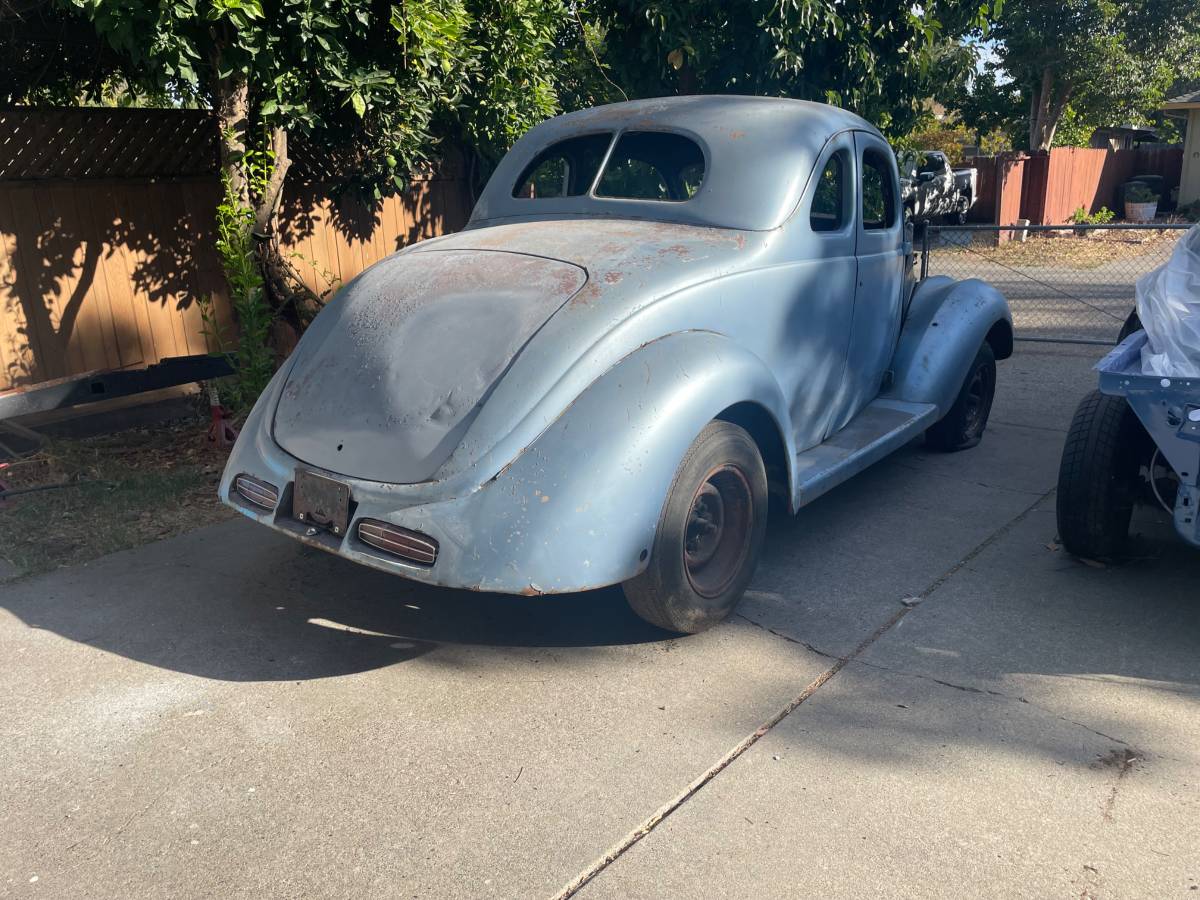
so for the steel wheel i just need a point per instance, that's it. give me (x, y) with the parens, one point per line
(717, 537)
(980, 390)
(709, 534)
(965, 421)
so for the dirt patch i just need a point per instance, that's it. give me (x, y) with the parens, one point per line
(1065, 249)
(123, 490)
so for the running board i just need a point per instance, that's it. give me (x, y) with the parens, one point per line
(882, 427)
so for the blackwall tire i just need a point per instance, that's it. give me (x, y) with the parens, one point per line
(1098, 478)
(1132, 324)
(709, 536)
(963, 426)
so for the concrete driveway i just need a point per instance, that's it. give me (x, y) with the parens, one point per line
(228, 714)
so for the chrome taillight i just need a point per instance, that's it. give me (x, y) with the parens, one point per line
(408, 545)
(256, 491)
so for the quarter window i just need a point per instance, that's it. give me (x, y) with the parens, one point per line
(829, 199)
(565, 169)
(878, 197)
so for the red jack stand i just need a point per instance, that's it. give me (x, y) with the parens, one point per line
(221, 432)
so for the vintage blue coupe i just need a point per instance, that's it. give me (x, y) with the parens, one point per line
(660, 313)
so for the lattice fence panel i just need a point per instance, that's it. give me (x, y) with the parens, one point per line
(37, 144)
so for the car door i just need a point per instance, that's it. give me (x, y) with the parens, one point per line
(815, 324)
(879, 247)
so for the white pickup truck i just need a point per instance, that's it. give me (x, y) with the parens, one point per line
(929, 187)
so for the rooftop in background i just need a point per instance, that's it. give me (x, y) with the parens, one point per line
(1184, 101)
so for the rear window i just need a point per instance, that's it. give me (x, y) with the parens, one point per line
(565, 169)
(651, 165)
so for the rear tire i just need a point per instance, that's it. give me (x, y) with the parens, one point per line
(1132, 324)
(1099, 477)
(709, 537)
(962, 427)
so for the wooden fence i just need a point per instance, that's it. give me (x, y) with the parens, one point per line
(103, 258)
(1047, 188)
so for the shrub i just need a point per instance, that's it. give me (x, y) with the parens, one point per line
(1102, 216)
(1138, 192)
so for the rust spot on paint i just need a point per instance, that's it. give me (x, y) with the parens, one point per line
(737, 135)
(589, 293)
(612, 277)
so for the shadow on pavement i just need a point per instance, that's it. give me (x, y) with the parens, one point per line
(272, 610)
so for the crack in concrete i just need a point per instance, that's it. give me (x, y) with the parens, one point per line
(1123, 761)
(787, 637)
(1017, 698)
(970, 689)
(697, 784)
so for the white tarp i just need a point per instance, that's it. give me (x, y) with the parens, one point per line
(1168, 303)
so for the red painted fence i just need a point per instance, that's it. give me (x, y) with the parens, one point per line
(1047, 188)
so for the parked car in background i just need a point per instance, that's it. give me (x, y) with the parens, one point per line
(931, 188)
(660, 313)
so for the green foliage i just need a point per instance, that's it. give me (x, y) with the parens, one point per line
(995, 141)
(253, 360)
(880, 59)
(1073, 129)
(1102, 216)
(947, 136)
(1139, 192)
(378, 83)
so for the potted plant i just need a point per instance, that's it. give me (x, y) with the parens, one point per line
(1141, 203)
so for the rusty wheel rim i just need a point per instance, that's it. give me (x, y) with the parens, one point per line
(717, 536)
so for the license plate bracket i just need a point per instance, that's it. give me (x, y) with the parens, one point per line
(321, 501)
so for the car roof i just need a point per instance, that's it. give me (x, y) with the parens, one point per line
(759, 153)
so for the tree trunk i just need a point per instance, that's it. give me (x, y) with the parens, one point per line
(1047, 105)
(292, 302)
(289, 296)
(231, 103)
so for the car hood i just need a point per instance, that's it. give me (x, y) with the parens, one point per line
(392, 373)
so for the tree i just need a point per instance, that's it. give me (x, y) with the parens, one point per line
(1105, 61)
(880, 58)
(375, 83)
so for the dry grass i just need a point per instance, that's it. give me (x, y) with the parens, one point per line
(125, 490)
(1067, 250)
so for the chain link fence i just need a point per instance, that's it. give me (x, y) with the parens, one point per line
(1065, 283)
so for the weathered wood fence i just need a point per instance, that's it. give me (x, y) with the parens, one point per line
(1047, 188)
(107, 229)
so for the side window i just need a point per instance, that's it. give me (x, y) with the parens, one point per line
(878, 197)
(565, 169)
(829, 200)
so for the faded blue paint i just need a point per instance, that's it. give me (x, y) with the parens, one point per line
(539, 451)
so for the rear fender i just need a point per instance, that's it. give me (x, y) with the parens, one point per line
(947, 323)
(580, 506)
